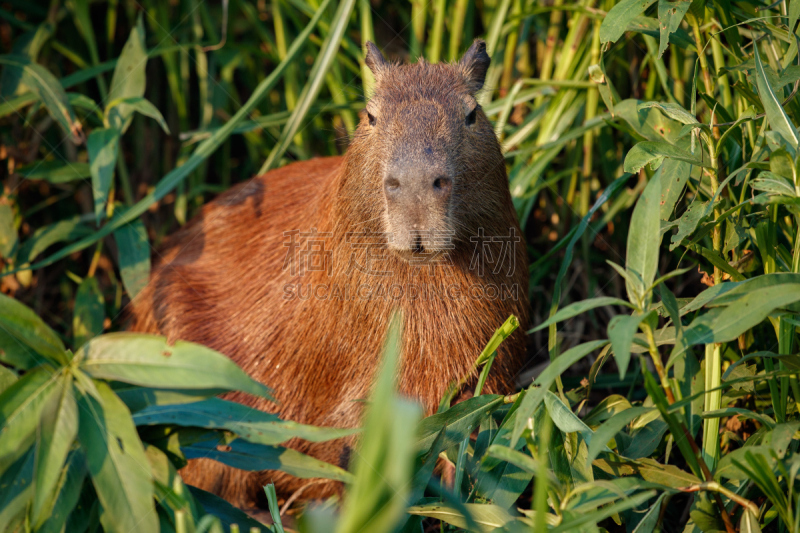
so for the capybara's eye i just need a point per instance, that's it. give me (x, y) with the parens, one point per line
(472, 116)
(371, 118)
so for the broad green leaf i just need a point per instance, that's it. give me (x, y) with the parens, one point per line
(606, 408)
(87, 322)
(17, 483)
(56, 171)
(575, 523)
(250, 424)
(488, 517)
(621, 330)
(17, 354)
(129, 75)
(150, 361)
(794, 14)
(610, 428)
(21, 407)
(538, 390)
(8, 233)
(117, 463)
(134, 256)
(578, 308)
(670, 15)
(726, 324)
(654, 152)
(256, 457)
(564, 418)
(669, 476)
(57, 431)
(7, 378)
(274, 510)
(103, 147)
(138, 398)
(749, 522)
(673, 175)
(646, 440)
(616, 22)
(651, 518)
(649, 123)
(44, 237)
(68, 490)
(20, 322)
(459, 421)
(130, 104)
(777, 117)
(227, 513)
(689, 221)
(50, 91)
(766, 420)
(644, 239)
(673, 111)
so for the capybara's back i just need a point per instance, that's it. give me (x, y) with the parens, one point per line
(295, 274)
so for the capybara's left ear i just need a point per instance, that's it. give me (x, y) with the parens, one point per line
(475, 63)
(374, 59)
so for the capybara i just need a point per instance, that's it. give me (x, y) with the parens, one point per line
(295, 274)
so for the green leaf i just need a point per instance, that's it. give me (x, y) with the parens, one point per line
(776, 116)
(644, 239)
(654, 152)
(670, 15)
(134, 256)
(89, 312)
(227, 513)
(57, 431)
(794, 14)
(564, 418)
(610, 428)
(103, 147)
(459, 421)
(117, 463)
(726, 324)
(130, 104)
(250, 424)
(17, 484)
(44, 237)
(129, 75)
(487, 517)
(150, 361)
(596, 517)
(256, 457)
(616, 22)
(274, 510)
(538, 390)
(21, 406)
(578, 308)
(673, 175)
(688, 222)
(621, 330)
(68, 490)
(669, 476)
(56, 171)
(749, 522)
(20, 322)
(50, 91)
(650, 520)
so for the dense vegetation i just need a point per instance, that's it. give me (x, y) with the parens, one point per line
(653, 160)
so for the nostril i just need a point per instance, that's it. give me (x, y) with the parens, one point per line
(441, 184)
(391, 185)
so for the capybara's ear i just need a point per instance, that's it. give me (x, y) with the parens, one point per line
(475, 64)
(374, 59)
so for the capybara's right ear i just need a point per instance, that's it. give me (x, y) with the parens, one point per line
(374, 59)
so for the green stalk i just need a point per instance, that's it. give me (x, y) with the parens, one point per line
(713, 362)
(290, 81)
(419, 11)
(510, 55)
(457, 30)
(367, 34)
(435, 43)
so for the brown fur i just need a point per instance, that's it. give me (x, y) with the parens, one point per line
(222, 279)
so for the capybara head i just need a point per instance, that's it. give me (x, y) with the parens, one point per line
(426, 145)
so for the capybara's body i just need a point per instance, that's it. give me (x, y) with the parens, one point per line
(295, 274)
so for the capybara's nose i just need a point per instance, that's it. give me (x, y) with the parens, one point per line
(417, 189)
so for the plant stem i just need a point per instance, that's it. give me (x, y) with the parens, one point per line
(656, 357)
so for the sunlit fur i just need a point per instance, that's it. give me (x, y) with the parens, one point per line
(220, 280)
